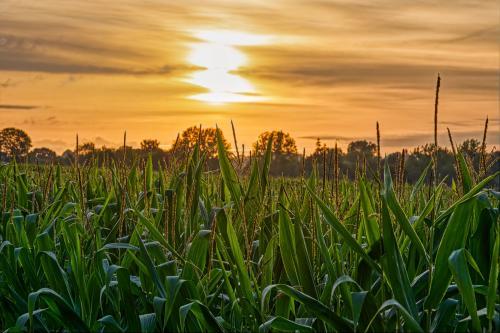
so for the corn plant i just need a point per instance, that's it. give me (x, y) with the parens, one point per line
(147, 248)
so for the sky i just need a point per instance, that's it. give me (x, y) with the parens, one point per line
(327, 69)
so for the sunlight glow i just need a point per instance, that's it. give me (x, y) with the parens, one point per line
(232, 38)
(219, 57)
(216, 56)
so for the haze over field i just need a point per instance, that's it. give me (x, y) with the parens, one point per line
(327, 69)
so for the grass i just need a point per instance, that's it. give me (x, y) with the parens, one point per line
(128, 248)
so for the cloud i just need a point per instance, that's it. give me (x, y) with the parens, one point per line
(7, 83)
(485, 35)
(321, 72)
(415, 139)
(468, 122)
(330, 137)
(18, 107)
(27, 62)
(42, 121)
(100, 141)
(57, 145)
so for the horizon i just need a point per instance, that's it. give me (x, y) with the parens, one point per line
(153, 69)
(443, 141)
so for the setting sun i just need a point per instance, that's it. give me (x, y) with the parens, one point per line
(219, 58)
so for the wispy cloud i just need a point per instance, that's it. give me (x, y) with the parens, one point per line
(409, 140)
(57, 145)
(18, 107)
(330, 137)
(415, 139)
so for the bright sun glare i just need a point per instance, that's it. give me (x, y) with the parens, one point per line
(219, 57)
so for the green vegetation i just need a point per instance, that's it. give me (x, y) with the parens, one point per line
(174, 247)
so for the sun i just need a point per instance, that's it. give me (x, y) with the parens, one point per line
(218, 55)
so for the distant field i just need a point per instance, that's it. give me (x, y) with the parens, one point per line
(174, 247)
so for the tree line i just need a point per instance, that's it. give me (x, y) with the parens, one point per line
(361, 157)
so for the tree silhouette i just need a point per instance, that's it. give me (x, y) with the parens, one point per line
(14, 142)
(362, 148)
(86, 148)
(150, 145)
(207, 140)
(283, 143)
(42, 155)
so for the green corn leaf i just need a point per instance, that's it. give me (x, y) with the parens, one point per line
(114, 246)
(370, 221)
(110, 323)
(401, 218)
(420, 182)
(465, 173)
(197, 256)
(56, 276)
(493, 278)
(458, 266)
(394, 267)
(454, 237)
(312, 305)
(466, 197)
(264, 179)
(445, 315)
(411, 324)
(152, 269)
(287, 247)
(283, 325)
(304, 267)
(239, 262)
(123, 278)
(202, 314)
(22, 320)
(227, 170)
(358, 300)
(157, 234)
(148, 322)
(65, 314)
(342, 231)
(149, 173)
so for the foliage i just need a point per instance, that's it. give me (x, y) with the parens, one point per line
(14, 142)
(86, 148)
(42, 155)
(205, 138)
(150, 145)
(362, 148)
(282, 143)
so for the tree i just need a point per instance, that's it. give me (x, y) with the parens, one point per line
(470, 147)
(42, 155)
(283, 143)
(86, 148)
(320, 148)
(14, 142)
(150, 145)
(67, 157)
(360, 156)
(362, 148)
(420, 158)
(207, 139)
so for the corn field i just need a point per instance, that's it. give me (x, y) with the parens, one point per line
(146, 248)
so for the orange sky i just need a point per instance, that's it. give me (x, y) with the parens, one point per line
(327, 69)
